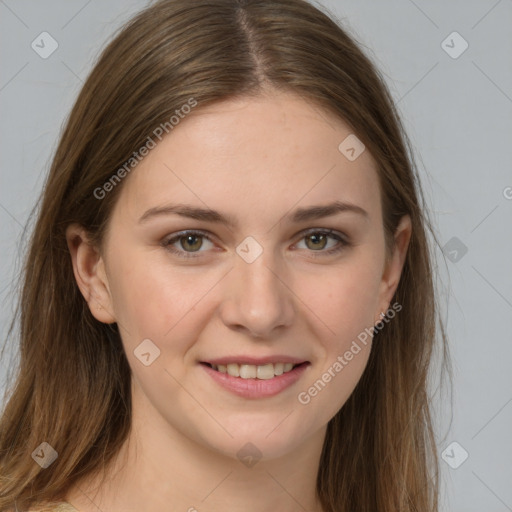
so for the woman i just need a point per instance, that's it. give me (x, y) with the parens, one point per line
(228, 299)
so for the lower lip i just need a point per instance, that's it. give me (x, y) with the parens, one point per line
(256, 388)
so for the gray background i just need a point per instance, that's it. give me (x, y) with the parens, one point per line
(458, 113)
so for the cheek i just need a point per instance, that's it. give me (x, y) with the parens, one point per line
(343, 299)
(330, 387)
(345, 303)
(159, 301)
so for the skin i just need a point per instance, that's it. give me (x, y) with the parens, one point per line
(256, 159)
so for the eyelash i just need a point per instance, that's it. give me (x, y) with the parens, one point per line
(167, 243)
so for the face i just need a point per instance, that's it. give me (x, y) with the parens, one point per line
(262, 281)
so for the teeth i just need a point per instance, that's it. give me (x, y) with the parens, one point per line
(234, 370)
(251, 371)
(265, 372)
(278, 368)
(248, 371)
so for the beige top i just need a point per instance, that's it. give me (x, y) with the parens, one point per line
(62, 506)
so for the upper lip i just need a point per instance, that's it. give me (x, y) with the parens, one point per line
(257, 361)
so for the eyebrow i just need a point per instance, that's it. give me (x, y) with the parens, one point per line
(209, 215)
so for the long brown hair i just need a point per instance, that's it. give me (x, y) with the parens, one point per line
(72, 384)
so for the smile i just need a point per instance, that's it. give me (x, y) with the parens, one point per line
(255, 381)
(252, 371)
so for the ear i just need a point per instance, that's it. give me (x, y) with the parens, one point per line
(90, 275)
(394, 266)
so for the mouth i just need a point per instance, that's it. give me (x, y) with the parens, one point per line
(253, 381)
(252, 371)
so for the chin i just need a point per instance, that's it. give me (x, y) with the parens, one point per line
(263, 439)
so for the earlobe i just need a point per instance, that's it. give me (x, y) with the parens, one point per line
(89, 272)
(395, 264)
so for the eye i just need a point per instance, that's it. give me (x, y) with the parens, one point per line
(187, 240)
(317, 240)
(191, 241)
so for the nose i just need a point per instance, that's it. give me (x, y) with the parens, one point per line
(257, 299)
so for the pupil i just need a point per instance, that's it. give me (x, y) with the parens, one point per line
(318, 238)
(192, 237)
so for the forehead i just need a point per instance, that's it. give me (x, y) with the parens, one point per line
(253, 158)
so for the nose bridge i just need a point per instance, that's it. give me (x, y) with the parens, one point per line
(257, 299)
